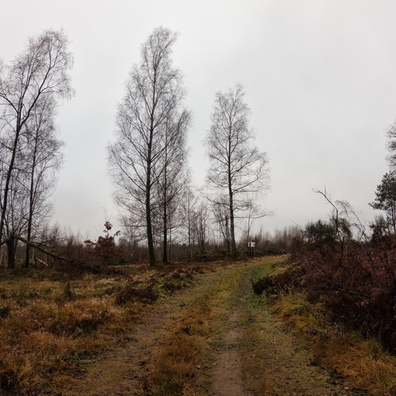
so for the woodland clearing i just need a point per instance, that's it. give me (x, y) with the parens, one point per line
(183, 330)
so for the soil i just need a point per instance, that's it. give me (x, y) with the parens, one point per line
(281, 364)
(227, 378)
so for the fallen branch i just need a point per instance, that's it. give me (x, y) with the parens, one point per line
(41, 249)
(92, 268)
(37, 260)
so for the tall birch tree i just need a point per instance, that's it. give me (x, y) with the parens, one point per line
(149, 112)
(39, 72)
(42, 159)
(238, 170)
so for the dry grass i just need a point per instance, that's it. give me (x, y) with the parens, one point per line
(51, 324)
(185, 353)
(50, 327)
(363, 362)
(184, 366)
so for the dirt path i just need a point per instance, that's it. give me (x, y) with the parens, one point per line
(123, 370)
(261, 358)
(253, 354)
(227, 377)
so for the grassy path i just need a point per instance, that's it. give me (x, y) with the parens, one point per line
(228, 378)
(216, 338)
(259, 357)
(275, 361)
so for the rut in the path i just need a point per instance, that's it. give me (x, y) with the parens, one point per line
(275, 362)
(227, 374)
(228, 379)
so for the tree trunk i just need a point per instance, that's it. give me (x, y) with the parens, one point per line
(31, 203)
(150, 239)
(165, 216)
(232, 230)
(232, 223)
(8, 178)
(41, 249)
(29, 226)
(202, 247)
(227, 235)
(165, 239)
(27, 255)
(11, 247)
(190, 254)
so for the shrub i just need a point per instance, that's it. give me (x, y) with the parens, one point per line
(130, 294)
(355, 282)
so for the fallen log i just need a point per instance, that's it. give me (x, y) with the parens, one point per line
(41, 249)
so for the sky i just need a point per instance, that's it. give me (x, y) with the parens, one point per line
(319, 77)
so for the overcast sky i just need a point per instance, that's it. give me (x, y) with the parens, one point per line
(319, 76)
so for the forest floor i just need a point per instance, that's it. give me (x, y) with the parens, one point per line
(215, 338)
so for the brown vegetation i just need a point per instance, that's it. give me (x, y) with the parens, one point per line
(355, 282)
(61, 334)
(341, 295)
(51, 322)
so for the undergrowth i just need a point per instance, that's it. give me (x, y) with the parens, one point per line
(51, 323)
(355, 282)
(364, 362)
(334, 297)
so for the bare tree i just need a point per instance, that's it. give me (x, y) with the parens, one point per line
(238, 169)
(195, 217)
(17, 214)
(187, 216)
(350, 214)
(42, 160)
(151, 106)
(201, 220)
(38, 72)
(335, 214)
(173, 175)
(253, 212)
(391, 145)
(341, 225)
(222, 219)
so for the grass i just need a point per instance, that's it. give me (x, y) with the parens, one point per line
(271, 355)
(185, 365)
(51, 326)
(362, 362)
(52, 323)
(182, 365)
(184, 354)
(253, 320)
